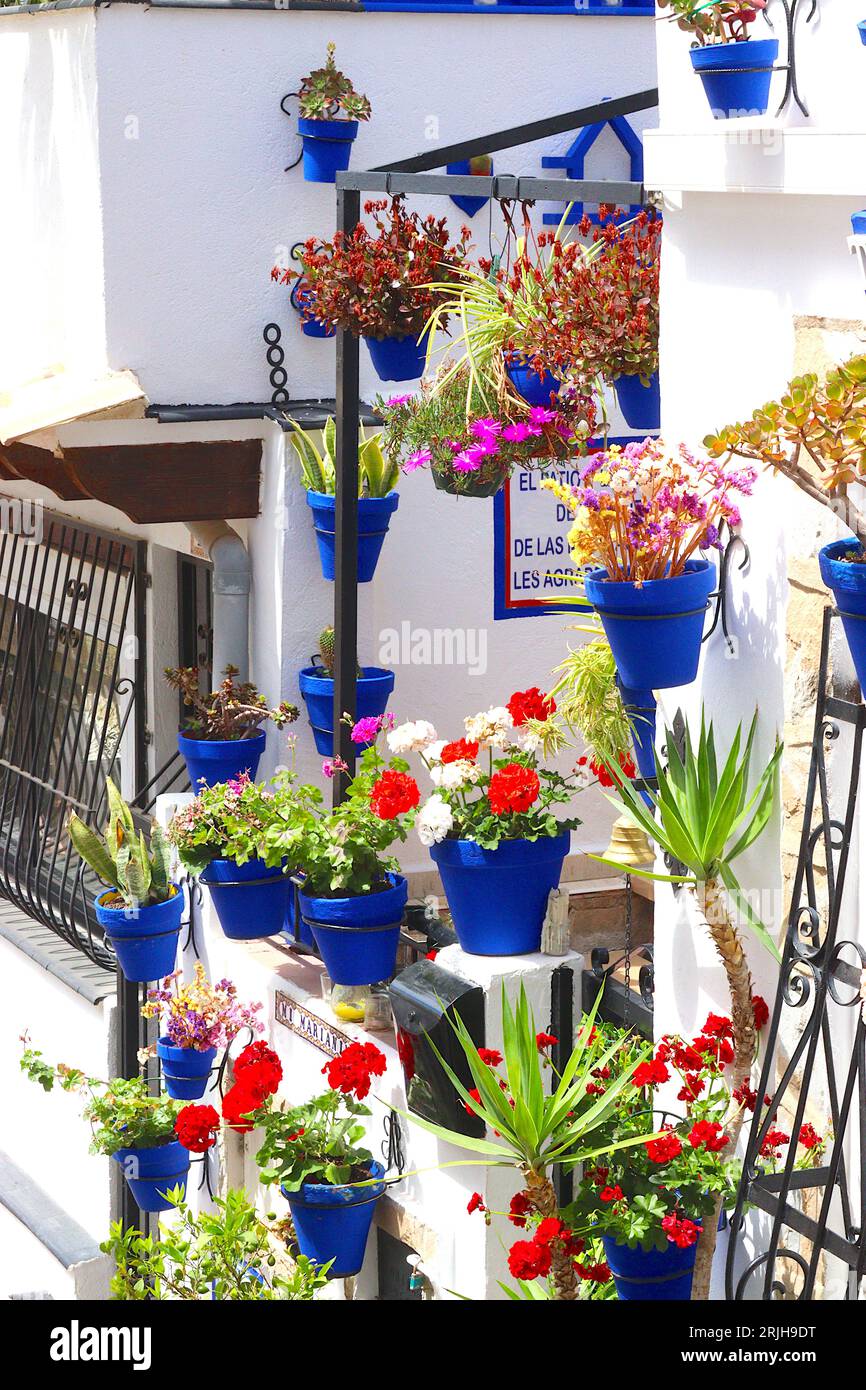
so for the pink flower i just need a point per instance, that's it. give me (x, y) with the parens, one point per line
(419, 459)
(542, 415)
(367, 728)
(518, 432)
(331, 766)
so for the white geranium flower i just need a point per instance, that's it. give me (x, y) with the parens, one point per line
(490, 729)
(434, 820)
(450, 776)
(433, 751)
(412, 737)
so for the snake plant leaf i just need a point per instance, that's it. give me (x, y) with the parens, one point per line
(313, 468)
(160, 864)
(92, 850)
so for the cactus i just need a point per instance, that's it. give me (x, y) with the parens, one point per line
(327, 653)
(123, 860)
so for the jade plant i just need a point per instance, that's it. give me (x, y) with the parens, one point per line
(326, 94)
(140, 874)
(233, 711)
(376, 476)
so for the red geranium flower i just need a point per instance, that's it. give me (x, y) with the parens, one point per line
(528, 1260)
(598, 1274)
(545, 1040)
(550, 1229)
(773, 1143)
(651, 1073)
(476, 1096)
(241, 1100)
(475, 1203)
(680, 1231)
(691, 1088)
(717, 1026)
(394, 794)
(490, 1056)
(611, 1194)
(720, 1049)
(530, 704)
(761, 1011)
(352, 1070)
(665, 1148)
(518, 1208)
(809, 1137)
(512, 788)
(709, 1134)
(196, 1127)
(260, 1067)
(462, 749)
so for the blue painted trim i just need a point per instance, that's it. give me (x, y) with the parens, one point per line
(574, 161)
(419, 7)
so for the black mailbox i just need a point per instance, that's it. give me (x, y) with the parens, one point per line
(422, 998)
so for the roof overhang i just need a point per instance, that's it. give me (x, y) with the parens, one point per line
(57, 398)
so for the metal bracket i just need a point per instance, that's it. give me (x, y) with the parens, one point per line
(721, 594)
(791, 8)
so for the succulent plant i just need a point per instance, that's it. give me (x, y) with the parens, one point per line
(326, 94)
(327, 652)
(376, 476)
(233, 711)
(123, 859)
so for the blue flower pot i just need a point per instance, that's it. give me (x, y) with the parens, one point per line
(218, 760)
(374, 516)
(641, 405)
(736, 76)
(650, 1275)
(654, 631)
(463, 201)
(333, 1223)
(185, 1070)
(397, 359)
(862, 29)
(528, 383)
(357, 937)
(858, 223)
(640, 706)
(498, 897)
(251, 900)
(374, 688)
(327, 147)
(848, 583)
(151, 1172)
(145, 944)
(313, 327)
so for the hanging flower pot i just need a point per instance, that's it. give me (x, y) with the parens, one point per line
(847, 580)
(736, 76)
(313, 327)
(150, 1173)
(251, 900)
(640, 405)
(862, 30)
(144, 941)
(333, 1223)
(397, 359)
(498, 897)
(219, 760)
(374, 515)
(357, 937)
(650, 1275)
(529, 384)
(469, 485)
(654, 630)
(640, 706)
(327, 148)
(185, 1070)
(374, 687)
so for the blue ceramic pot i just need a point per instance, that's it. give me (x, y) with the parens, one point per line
(185, 1070)
(397, 359)
(374, 687)
(327, 147)
(145, 944)
(848, 583)
(641, 405)
(151, 1172)
(374, 516)
(640, 706)
(218, 760)
(313, 327)
(333, 1223)
(251, 900)
(464, 201)
(529, 384)
(650, 1275)
(654, 631)
(862, 30)
(498, 897)
(736, 76)
(357, 937)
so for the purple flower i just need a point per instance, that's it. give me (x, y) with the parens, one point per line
(331, 766)
(367, 728)
(397, 400)
(419, 459)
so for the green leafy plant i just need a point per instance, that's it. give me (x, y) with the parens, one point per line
(326, 94)
(376, 475)
(233, 711)
(139, 873)
(225, 1255)
(122, 1114)
(234, 819)
(589, 701)
(715, 21)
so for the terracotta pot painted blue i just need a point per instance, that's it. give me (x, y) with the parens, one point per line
(357, 937)
(862, 29)
(654, 631)
(333, 1223)
(650, 1275)
(313, 327)
(736, 76)
(464, 201)
(251, 900)
(397, 359)
(327, 147)
(145, 943)
(640, 706)
(185, 1070)
(848, 583)
(374, 687)
(151, 1172)
(218, 760)
(529, 384)
(498, 897)
(641, 405)
(858, 223)
(374, 516)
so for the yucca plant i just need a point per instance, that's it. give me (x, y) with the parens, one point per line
(535, 1130)
(122, 859)
(703, 820)
(377, 476)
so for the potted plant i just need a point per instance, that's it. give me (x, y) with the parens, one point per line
(607, 715)
(491, 827)
(200, 1018)
(815, 435)
(380, 285)
(313, 1151)
(472, 440)
(374, 686)
(734, 69)
(329, 113)
(226, 1255)
(221, 838)
(222, 737)
(377, 499)
(140, 908)
(128, 1124)
(643, 513)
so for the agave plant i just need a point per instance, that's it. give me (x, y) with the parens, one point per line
(703, 820)
(376, 475)
(122, 858)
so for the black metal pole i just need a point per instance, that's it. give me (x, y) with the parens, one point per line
(562, 1026)
(346, 523)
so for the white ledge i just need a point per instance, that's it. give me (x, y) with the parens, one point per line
(756, 155)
